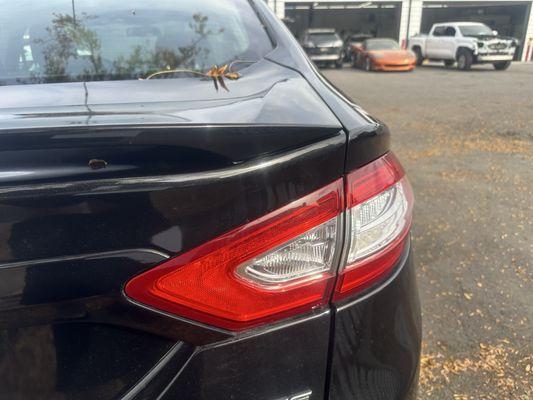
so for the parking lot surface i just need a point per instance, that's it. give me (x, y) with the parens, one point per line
(466, 141)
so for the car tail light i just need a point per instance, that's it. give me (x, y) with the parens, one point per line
(380, 202)
(278, 265)
(286, 262)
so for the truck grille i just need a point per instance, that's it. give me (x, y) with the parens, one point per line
(497, 46)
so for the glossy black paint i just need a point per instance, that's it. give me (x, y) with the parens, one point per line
(64, 155)
(159, 212)
(266, 365)
(266, 94)
(376, 345)
(162, 375)
(368, 138)
(45, 223)
(74, 360)
(102, 180)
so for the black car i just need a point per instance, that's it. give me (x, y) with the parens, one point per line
(324, 47)
(189, 210)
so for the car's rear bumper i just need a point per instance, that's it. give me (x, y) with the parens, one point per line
(325, 57)
(370, 346)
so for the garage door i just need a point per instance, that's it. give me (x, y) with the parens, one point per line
(377, 19)
(508, 18)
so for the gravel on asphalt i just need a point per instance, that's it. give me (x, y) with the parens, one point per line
(466, 141)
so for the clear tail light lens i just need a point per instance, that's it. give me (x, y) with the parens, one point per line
(286, 262)
(377, 222)
(305, 258)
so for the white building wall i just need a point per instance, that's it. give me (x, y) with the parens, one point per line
(404, 21)
(528, 45)
(416, 17)
(411, 19)
(278, 6)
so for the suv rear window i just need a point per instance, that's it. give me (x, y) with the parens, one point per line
(323, 38)
(87, 40)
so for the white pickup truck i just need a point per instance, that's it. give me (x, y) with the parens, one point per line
(464, 43)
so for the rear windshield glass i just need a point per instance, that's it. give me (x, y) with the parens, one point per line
(323, 38)
(382, 44)
(86, 40)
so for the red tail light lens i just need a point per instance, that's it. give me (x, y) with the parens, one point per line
(278, 265)
(380, 202)
(285, 263)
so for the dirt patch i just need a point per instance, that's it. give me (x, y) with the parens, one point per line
(494, 365)
(465, 141)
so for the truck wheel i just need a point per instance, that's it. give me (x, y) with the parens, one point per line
(419, 56)
(449, 63)
(501, 66)
(338, 63)
(464, 60)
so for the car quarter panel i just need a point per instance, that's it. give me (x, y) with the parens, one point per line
(376, 344)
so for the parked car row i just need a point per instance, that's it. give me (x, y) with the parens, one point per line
(455, 43)
(325, 47)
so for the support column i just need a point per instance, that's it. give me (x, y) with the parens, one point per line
(404, 18)
(411, 20)
(280, 8)
(527, 54)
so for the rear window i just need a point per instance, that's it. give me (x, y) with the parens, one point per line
(87, 40)
(323, 38)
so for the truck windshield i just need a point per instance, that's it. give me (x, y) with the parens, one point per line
(382, 44)
(87, 40)
(475, 30)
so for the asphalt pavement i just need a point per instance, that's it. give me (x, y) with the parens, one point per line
(466, 141)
